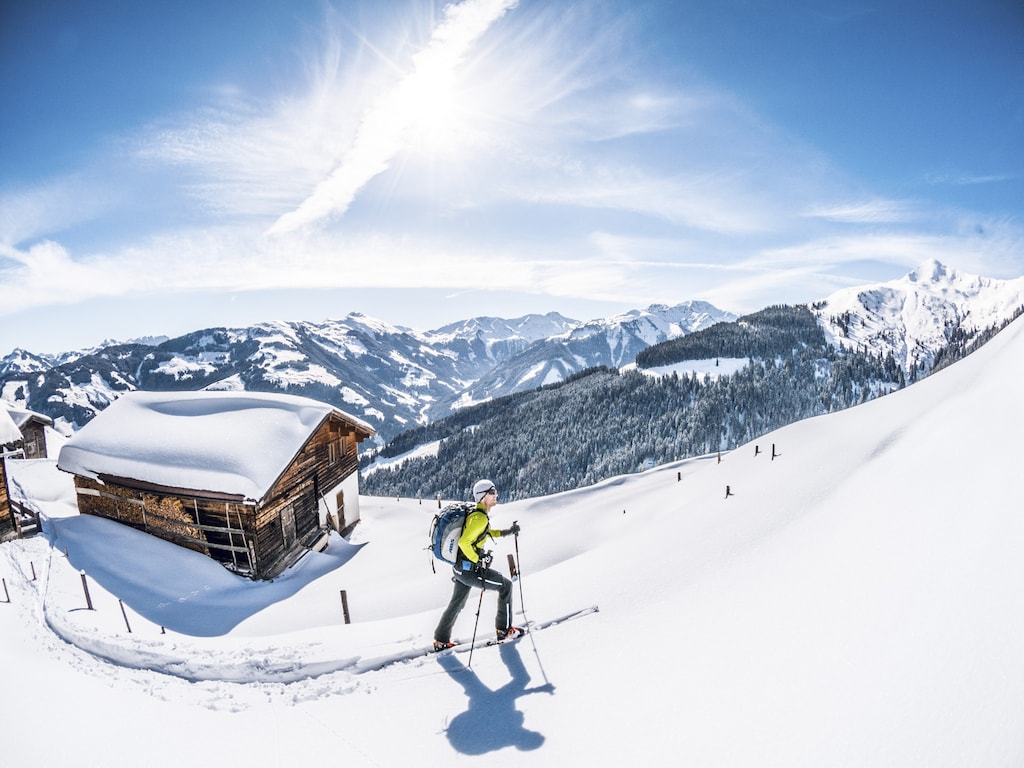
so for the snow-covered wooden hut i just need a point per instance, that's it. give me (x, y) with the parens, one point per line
(250, 479)
(32, 426)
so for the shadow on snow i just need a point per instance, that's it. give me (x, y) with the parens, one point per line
(491, 721)
(177, 588)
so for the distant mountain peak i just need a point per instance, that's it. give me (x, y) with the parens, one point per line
(932, 271)
(527, 328)
(914, 317)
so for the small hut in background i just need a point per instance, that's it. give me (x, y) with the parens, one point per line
(253, 480)
(32, 426)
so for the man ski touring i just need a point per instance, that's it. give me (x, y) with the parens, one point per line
(472, 569)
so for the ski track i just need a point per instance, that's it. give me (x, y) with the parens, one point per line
(158, 668)
(272, 672)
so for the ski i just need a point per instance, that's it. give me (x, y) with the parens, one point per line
(462, 646)
(363, 664)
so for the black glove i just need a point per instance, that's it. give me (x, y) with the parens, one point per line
(485, 560)
(514, 530)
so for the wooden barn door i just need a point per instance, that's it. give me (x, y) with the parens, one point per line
(341, 510)
(288, 525)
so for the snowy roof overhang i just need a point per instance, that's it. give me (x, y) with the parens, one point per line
(233, 444)
(23, 417)
(9, 432)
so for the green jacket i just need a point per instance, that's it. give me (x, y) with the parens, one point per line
(476, 529)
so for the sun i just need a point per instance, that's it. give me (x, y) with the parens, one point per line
(424, 117)
(434, 102)
(432, 110)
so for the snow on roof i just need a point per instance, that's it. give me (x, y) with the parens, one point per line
(22, 416)
(9, 432)
(225, 442)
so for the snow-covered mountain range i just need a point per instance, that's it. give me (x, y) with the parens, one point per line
(392, 376)
(396, 377)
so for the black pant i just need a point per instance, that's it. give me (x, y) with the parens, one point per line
(466, 581)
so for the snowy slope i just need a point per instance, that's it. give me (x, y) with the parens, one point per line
(856, 601)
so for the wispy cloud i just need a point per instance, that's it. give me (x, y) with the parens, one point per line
(874, 211)
(713, 202)
(249, 157)
(968, 251)
(46, 269)
(29, 213)
(966, 179)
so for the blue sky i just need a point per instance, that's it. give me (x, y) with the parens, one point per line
(170, 167)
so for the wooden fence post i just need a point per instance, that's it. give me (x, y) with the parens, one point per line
(125, 614)
(85, 587)
(344, 606)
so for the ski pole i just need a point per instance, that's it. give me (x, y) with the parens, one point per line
(472, 643)
(522, 607)
(519, 572)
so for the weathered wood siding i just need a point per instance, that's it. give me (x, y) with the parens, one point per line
(220, 529)
(328, 457)
(35, 441)
(7, 528)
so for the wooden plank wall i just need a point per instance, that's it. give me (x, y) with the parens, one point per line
(35, 441)
(216, 528)
(311, 474)
(7, 528)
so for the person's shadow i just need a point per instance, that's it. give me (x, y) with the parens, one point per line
(492, 721)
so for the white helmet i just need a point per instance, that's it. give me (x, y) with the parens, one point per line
(481, 488)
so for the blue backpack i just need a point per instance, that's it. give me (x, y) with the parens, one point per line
(446, 529)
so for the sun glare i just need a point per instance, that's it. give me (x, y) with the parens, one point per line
(431, 105)
(431, 102)
(421, 112)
